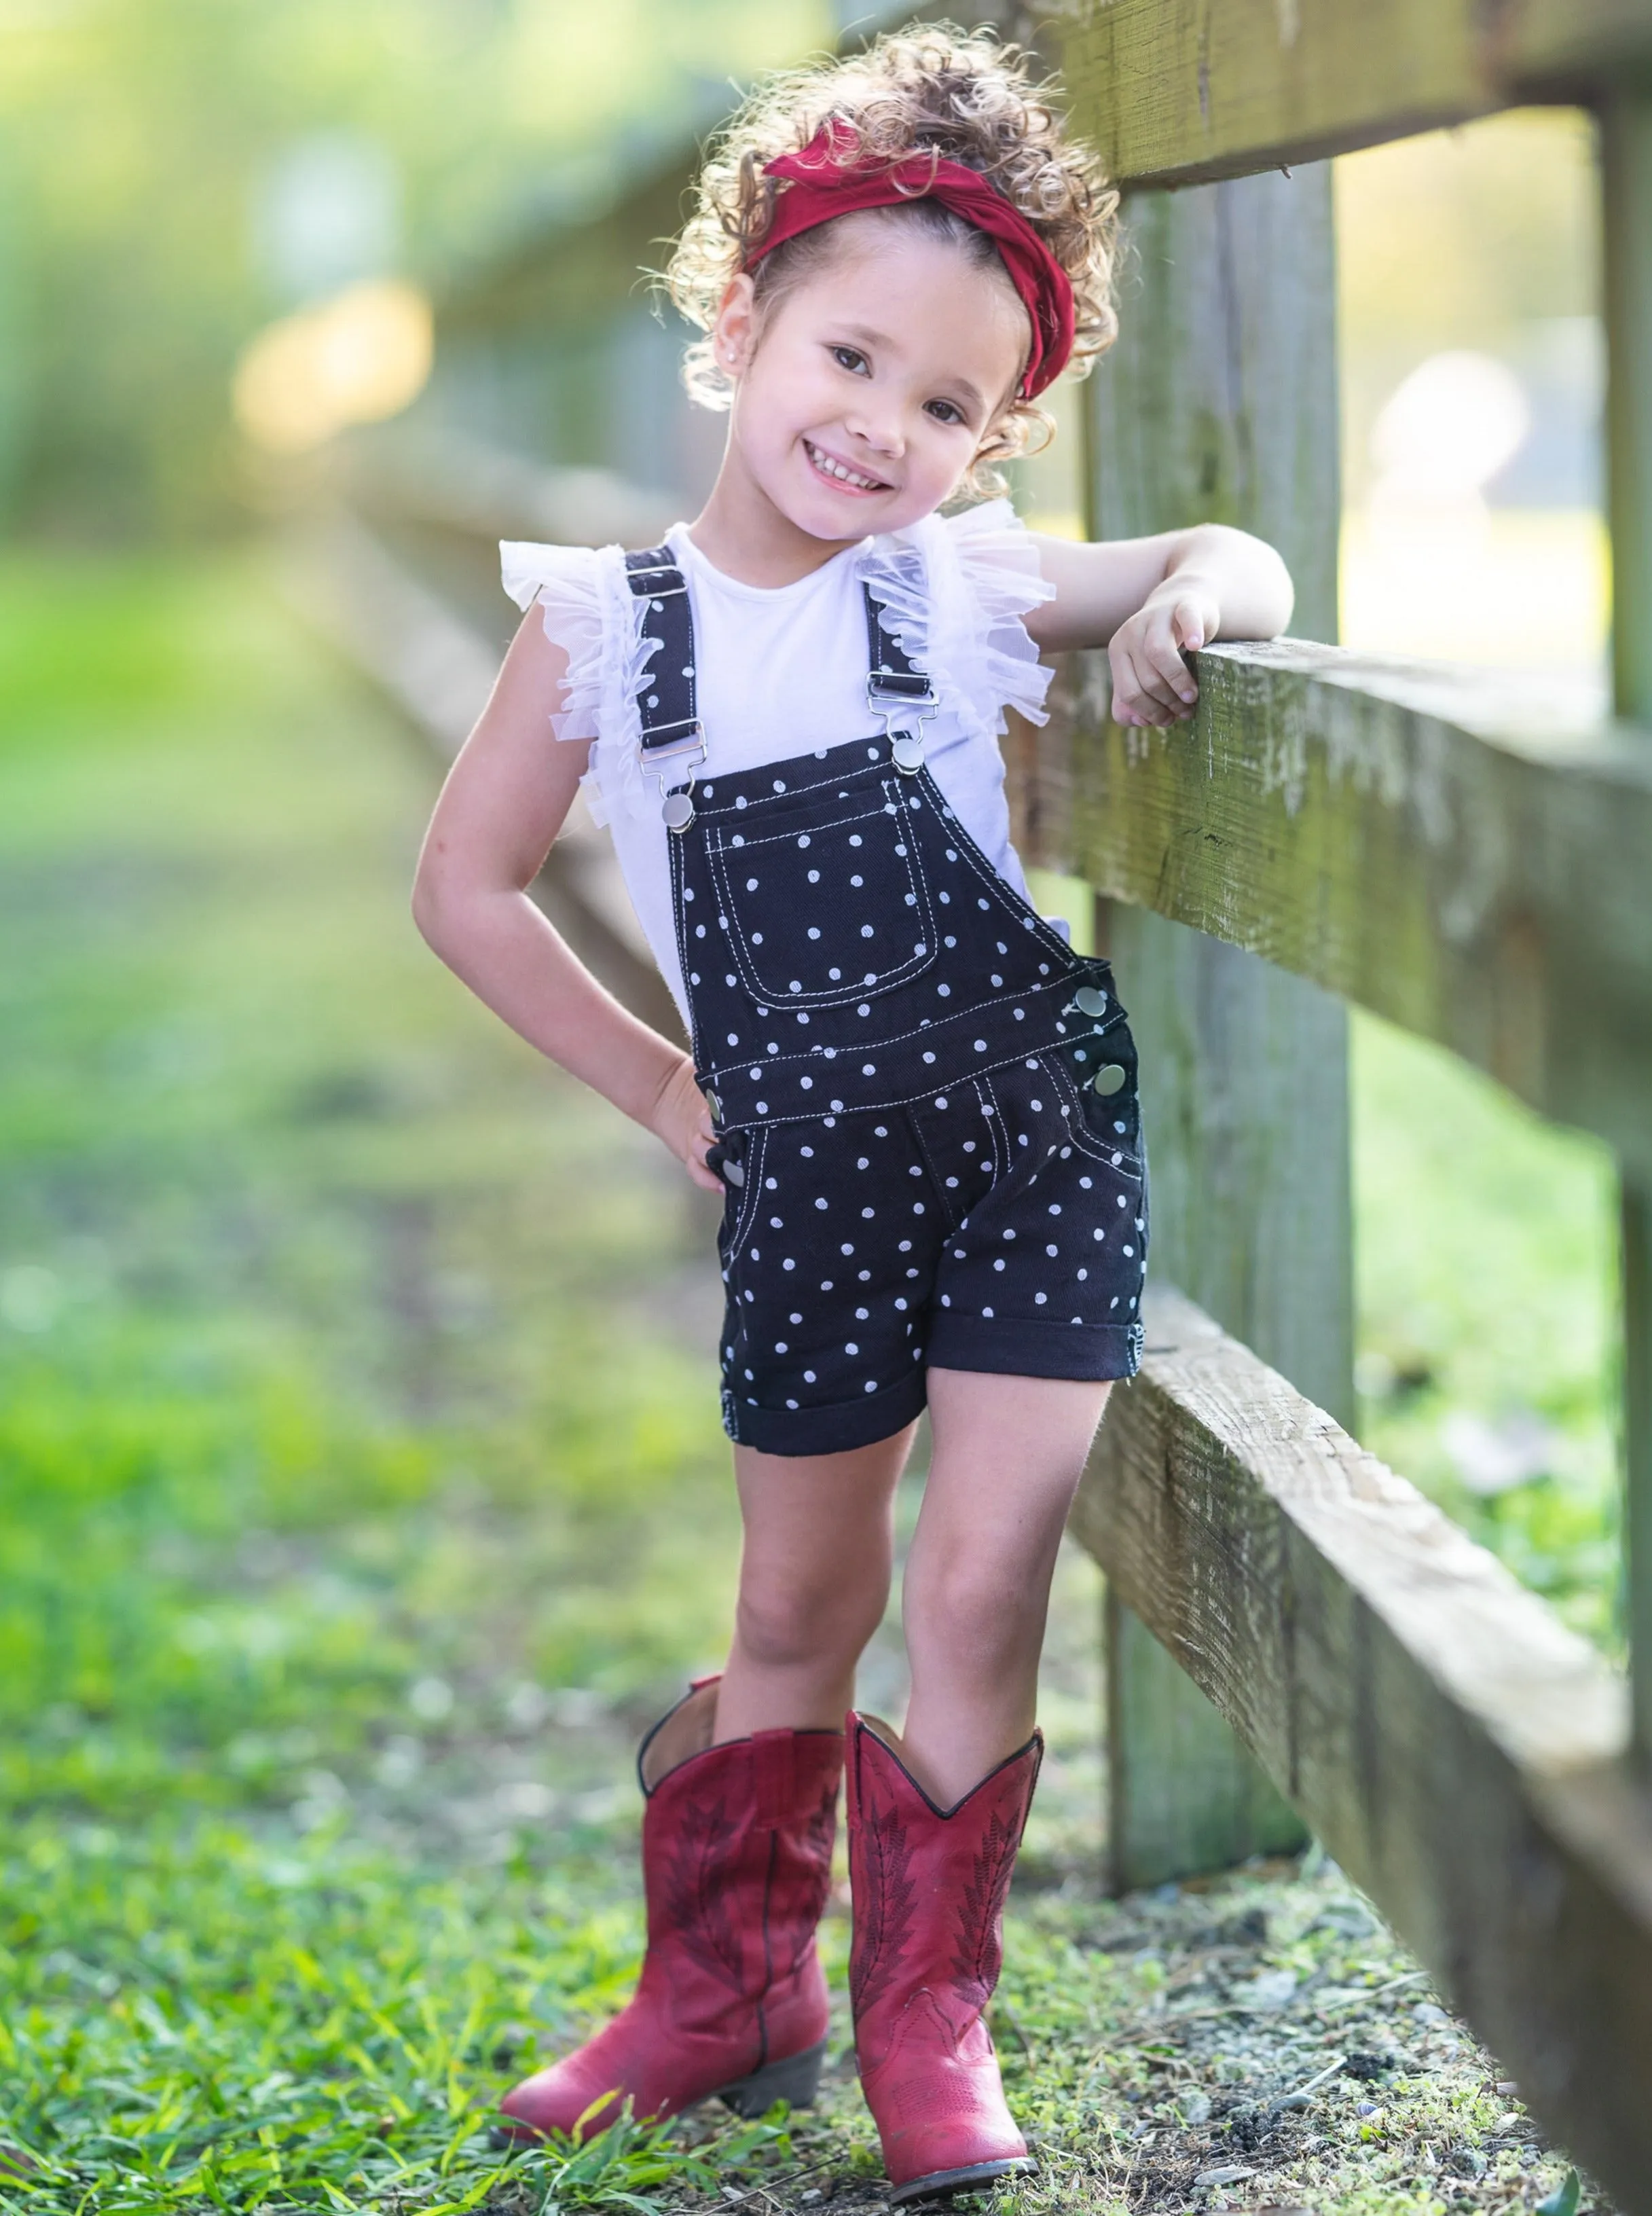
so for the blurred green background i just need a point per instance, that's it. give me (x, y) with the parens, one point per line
(361, 1489)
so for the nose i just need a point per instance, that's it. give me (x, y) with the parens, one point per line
(878, 428)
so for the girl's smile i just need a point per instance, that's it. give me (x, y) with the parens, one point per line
(840, 474)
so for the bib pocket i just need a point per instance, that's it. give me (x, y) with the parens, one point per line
(818, 914)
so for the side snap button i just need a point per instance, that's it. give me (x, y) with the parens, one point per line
(1108, 1078)
(1090, 1001)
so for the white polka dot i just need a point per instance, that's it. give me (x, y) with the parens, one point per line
(1052, 1250)
(999, 1265)
(986, 1312)
(850, 1347)
(1040, 1298)
(871, 1385)
(808, 1377)
(822, 1202)
(790, 1264)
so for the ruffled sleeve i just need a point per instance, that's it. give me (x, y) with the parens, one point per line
(591, 613)
(956, 591)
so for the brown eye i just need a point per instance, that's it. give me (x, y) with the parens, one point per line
(849, 358)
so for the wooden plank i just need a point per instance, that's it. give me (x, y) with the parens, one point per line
(1178, 92)
(1463, 853)
(1637, 1251)
(1184, 1795)
(1626, 193)
(1459, 1751)
(1219, 401)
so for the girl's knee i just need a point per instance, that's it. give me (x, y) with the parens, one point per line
(784, 1622)
(971, 1604)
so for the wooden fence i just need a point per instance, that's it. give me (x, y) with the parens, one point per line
(1296, 1639)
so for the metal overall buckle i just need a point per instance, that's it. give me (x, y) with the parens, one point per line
(688, 749)
(902, 693)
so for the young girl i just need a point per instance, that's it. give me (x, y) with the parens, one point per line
(919, 1103)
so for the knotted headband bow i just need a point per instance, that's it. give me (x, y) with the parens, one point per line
(821, 184)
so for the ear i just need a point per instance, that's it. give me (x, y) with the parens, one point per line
(733, 331)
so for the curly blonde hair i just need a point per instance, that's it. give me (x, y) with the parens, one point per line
(929, 87)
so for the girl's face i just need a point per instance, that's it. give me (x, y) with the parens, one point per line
(864, 394)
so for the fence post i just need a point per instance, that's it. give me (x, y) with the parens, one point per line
(1220, 402)
(1626, 185)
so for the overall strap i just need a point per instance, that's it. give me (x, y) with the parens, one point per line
(673, 742)
(901, 695)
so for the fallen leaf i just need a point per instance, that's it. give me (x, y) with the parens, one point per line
(1563, 2200)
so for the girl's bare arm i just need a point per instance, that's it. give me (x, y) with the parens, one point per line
(1150, 600)
(506, 798)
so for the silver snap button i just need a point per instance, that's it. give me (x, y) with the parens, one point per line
(1109, 1078)
(735, 1174)
(716, 1105)
(678, 811)
(907, 747)
(1090, 1001)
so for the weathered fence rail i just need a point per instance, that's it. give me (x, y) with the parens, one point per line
(1469, 855)
(1465, 853)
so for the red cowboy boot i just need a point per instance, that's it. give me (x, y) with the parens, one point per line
(732, 2002)
(928, 1888)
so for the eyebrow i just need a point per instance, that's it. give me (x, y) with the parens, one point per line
(964, 387)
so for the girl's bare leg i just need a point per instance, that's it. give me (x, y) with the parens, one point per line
(1009, 1452)
(815, 1576)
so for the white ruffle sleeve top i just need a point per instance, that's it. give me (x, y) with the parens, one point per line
(781, 671)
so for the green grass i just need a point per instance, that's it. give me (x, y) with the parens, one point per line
(361, 1492)
(1489, 1316)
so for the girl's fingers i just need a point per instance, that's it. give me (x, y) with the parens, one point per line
(1187, 625)
(1175, 686)
(1140, 689)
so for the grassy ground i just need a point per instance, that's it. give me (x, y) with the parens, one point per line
(361, 1494)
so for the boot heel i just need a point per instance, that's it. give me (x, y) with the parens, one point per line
(796, 2080)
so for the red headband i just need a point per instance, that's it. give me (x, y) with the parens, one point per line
(823, 182)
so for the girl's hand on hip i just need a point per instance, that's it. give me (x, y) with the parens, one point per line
(1152, 681)
(682, 1119)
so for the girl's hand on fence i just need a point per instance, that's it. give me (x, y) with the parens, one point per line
(682, 1119)
(1152, 681)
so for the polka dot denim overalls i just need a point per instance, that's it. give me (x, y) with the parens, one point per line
(925, 1103)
